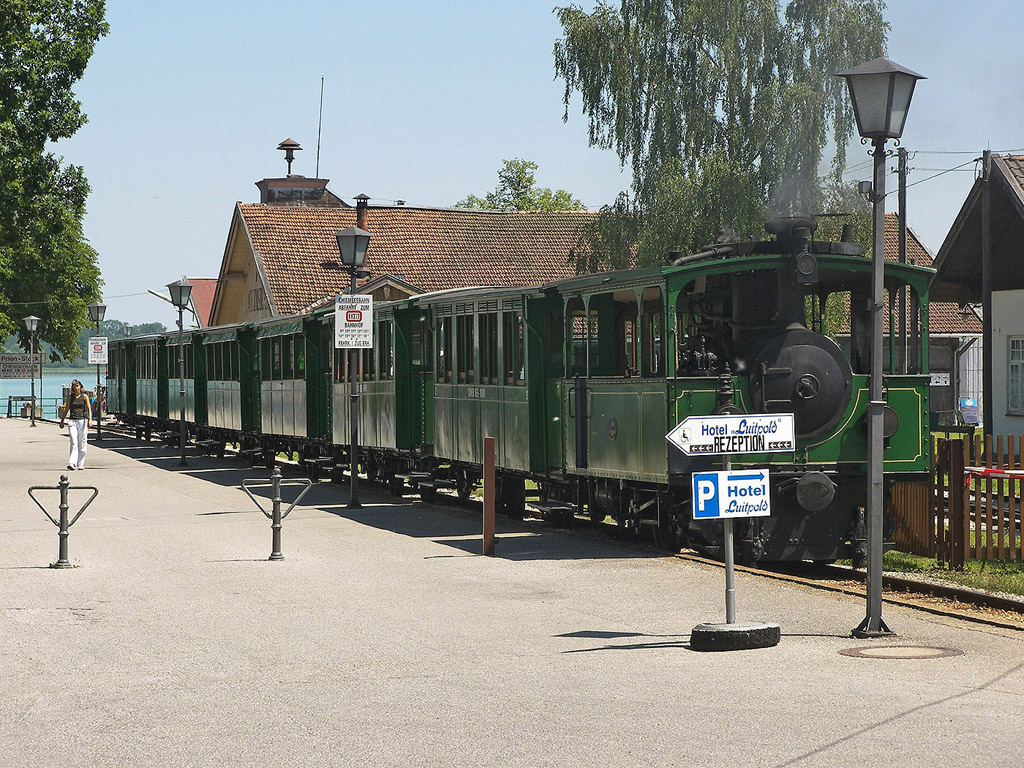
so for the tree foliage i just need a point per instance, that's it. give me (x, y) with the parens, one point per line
(723, 108)
(517, 191)
(47, 268)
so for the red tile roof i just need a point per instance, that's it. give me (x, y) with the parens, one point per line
(431, 248)
(203, 289)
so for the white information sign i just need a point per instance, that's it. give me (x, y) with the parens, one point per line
(741, 433)
(731, 494)
(98, 350)
(940, 379)
(20, 366)
(353, 321)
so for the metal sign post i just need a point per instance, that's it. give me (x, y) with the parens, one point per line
(62, 522)
(275, 515)
(727, 495)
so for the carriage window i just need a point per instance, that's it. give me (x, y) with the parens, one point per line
(576, 343)
(340, 367)
(515, 373)
(368, 371)
(652, 333)
(299, 356)
(287, 358)
(444, 351)
(464, 340)
(626, 341)
(421, 342)
(489, 348)
(385, 350)
(556, 333)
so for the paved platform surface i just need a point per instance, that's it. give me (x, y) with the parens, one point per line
(384, 639)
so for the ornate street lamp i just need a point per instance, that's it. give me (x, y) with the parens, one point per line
(352, 244)
(181, 292)
(32, 325)
(96, 312)
(880, 91)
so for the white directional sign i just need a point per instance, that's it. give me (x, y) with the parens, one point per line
(731, 494)
(353, 321)
(98, 350)
(743, 433)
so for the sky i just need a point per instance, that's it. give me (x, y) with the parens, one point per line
(422, 101)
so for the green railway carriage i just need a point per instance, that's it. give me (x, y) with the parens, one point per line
(578, 381)
(190, 352)
(229, 372)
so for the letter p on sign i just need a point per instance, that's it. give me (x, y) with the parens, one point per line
(705, 496)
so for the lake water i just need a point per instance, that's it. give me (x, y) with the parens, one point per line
(48, 392)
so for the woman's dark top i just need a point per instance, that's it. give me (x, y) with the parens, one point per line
(77, 407)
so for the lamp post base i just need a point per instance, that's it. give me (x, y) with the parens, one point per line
(862, 631)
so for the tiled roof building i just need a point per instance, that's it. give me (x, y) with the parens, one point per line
(282, 259)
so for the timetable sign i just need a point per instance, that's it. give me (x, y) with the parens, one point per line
(353, 321)
(98, 350)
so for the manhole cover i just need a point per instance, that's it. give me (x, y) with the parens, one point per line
(901, 652)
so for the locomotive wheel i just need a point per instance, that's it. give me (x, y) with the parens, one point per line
(396, 486)
(512, 497)
(463, 485)
(428, 493)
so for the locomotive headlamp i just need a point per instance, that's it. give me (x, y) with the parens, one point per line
(880, 91)
(352, 243)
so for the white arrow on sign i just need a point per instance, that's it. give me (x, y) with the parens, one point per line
(739, 433)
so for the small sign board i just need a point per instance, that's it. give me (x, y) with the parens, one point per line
(730, 494)
(98, 350)
(739, 433)
(969, 410)
(940, 379)
(353, 321)
(20, 366)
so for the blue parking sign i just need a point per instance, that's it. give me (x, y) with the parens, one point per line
(730, 494)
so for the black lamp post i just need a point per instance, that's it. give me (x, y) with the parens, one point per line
(181, 292)
(32, 325)
(880, 91)
(96, 312)
(352, 244)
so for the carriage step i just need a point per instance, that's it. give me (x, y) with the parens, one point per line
(437, 482)
(414, 477)
(551, 507)
(209, 446)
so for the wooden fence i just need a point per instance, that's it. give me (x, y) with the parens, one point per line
(975, 510)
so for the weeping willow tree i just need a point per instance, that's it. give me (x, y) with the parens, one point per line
(724, 109)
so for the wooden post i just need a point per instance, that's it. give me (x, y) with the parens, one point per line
(959, 530)
(489, 495)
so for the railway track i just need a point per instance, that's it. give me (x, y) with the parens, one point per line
(931, 596)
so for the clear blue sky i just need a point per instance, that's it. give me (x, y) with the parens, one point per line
(187, 101)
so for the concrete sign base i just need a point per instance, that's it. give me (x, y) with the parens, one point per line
(734, 637)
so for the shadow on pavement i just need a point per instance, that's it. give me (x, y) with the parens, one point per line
(455, 527)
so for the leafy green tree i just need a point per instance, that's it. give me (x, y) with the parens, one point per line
(723, 108)
(517, 191)
(47, 268)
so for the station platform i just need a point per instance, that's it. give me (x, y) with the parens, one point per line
(385, 639)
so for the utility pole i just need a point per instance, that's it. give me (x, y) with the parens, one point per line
(902, 308)
(986, 289)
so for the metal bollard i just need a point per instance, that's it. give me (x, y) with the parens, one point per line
(63, 524)
(275, 515)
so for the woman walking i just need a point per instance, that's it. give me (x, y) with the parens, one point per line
(77, 410)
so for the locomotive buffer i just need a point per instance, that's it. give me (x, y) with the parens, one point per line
(727, 495)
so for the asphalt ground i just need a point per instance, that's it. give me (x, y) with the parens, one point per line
(384, 639)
